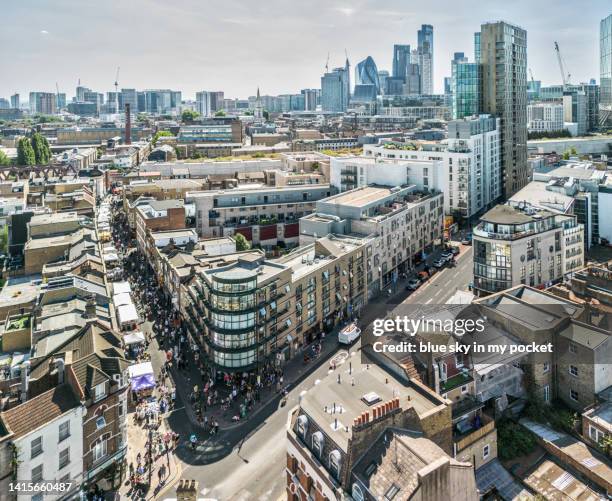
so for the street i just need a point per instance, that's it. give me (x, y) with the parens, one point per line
(234, 468)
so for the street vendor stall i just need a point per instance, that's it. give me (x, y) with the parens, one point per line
(134, 343)
(142, 380)
(127, 317)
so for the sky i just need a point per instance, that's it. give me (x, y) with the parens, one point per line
(279, 45)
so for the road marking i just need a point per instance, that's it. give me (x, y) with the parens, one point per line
(438, 293)
(429, 301)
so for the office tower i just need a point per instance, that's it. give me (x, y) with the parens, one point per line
(4, 103)
(458, 56)
(382, 80)
(533, 90)
(412, 87)
(129, 96)
(209, 102)
(61, 100)
(335, 89)
(394, 86)
(366, 73)
(425, 53)
(575, 110)
(545, 117)
(310, 99)
(15, 101)
(80, 93)
(503, 55)
(43, 102)
(401, 59)
(447, 85)
(605, 66)
(466, 84)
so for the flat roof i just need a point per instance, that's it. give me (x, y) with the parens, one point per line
(361, 197)
(318, 403)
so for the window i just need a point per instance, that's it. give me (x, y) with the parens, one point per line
(99, 448)
(64, 458)
(357, 493)
(574, 395)
(485, 451)
(37, 473)
(100, 422)
(38, 497)
(391, 492)
(99, 392)
(595, 434)
(302, 425)
(464, 388)
(64, 431)
(573, 370)
(546, 367)
(573, 348)
(547, 393)
(317, 443)
(36, 447)
(334, 462)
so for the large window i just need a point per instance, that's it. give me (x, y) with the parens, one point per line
(99, 448)
(99, 391)
(233, 303)
(64, 430)
(243, 340)
(235, 287)
(241, 359)
(64, 458)
(233, 322)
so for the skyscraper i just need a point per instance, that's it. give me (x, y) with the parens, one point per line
(15, 101)
(209, 102)
(366, 73)
(425, 52)
(466, 87)
(401, 59)
(335, 89)
(43, 102)
(382, 79)
(503, 55)
(605, 67)
(311, 96)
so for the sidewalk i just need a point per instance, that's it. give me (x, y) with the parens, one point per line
(137, 438)
(294, 371)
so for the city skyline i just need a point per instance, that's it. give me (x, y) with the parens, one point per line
(247, 51)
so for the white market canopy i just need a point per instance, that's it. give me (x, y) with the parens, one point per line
(122, 299)
(134, 338)
(121, 287)
(127, 313)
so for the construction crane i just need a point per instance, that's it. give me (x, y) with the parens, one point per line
(117, 90)
(531, 76)
(327, 64)
(564, 75)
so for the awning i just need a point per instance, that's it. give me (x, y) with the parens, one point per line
(122, 299)
(120, 287)
(134, 338)
(140, 369)
(143, 382)
(127, 313)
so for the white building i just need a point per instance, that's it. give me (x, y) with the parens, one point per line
(545, 117)
(520, 244)
(466, 167)
(48, 438)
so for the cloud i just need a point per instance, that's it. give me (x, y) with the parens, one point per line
(347, 11)
(44, 32)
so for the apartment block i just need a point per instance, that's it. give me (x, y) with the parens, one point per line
(157, 215)
(525, 245)
(399, 222)
(265, 216)
(257, 311)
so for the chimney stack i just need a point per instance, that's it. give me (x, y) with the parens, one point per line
(59, 365)
(25, 380)
(128, 124)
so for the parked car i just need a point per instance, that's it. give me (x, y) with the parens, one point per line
(413, 284)
(423, 276)
(349, 333)
(446, 255)
(439, 263)
(454, 250)
(467, 240)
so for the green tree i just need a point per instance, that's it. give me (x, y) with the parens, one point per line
(189, 115)
(4, 159)
(242, 243)
(25, 152)
(220, 113)
(266, 115)
(161, 133)
(42, 152)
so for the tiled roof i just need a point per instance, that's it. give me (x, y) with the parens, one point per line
(39, 410)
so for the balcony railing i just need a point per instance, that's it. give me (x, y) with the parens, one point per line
(464, 440)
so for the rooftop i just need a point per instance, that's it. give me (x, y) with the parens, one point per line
(361, 196)
(40, 410)
(348, 397)
(506, 214)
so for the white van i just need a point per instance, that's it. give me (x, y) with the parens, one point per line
(349, 333)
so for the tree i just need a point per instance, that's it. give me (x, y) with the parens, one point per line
(242, 243)
(161, 133)
(220, 113)
(189, 115)
(25, 152)
(4, 159)
(42, 152)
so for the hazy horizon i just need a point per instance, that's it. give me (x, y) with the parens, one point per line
(235, 46)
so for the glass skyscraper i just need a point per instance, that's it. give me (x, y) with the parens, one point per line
(605, 64)
(425, 52)
(366, 73)
(335, 89)
(401, 59)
